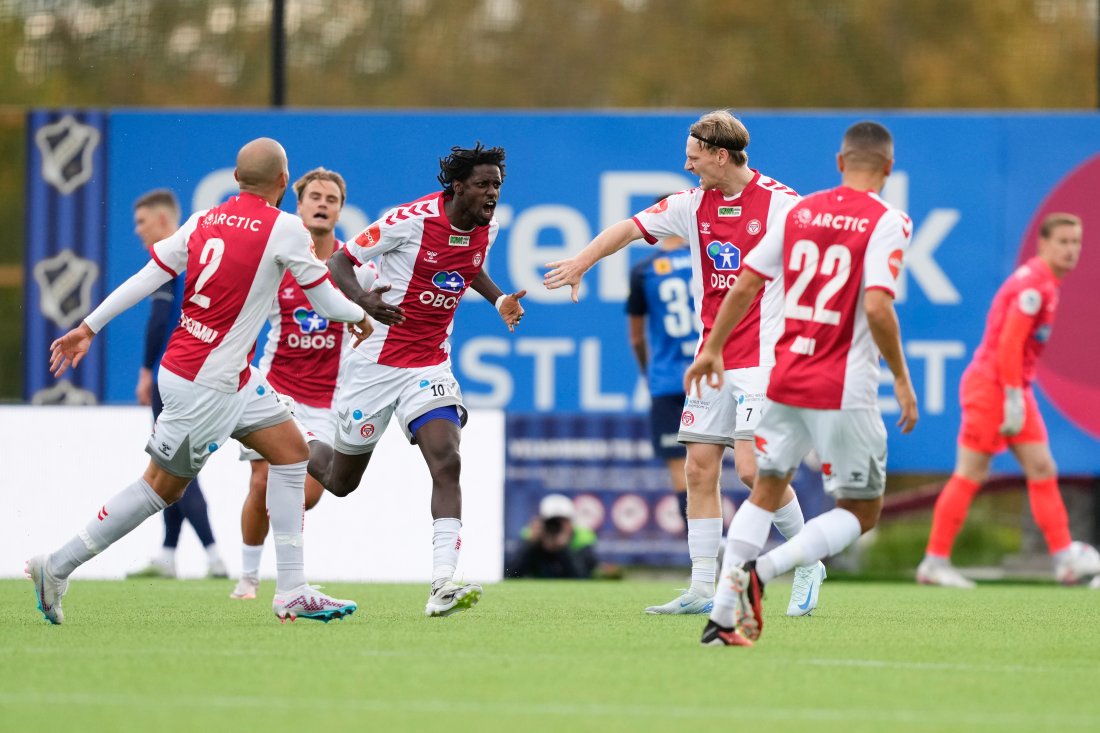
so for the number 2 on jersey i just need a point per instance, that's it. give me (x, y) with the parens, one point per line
(210, 258)
(805, 258)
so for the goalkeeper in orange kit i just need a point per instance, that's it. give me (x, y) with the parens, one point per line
(999, 411)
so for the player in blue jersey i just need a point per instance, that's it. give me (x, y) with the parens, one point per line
(157, 216)
(663, 335)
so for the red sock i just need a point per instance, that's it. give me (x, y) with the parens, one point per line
(1050, 513)
(950, 513)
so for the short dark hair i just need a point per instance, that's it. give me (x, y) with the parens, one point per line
(1057, 219)
(321, 174)
(461, 163)
(868, 144)
(158, 197)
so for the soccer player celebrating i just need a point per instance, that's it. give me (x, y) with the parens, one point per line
(839, 253)
(301, 360)
(235, 255)
(999, 410)
(432, 251)
(722, 220)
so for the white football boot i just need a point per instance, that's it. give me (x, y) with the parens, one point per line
(1077, 564)
(48, 589)
(246, 589)
(806, 589)
(688, 602)
(306, 601)
(451, 597)
(939, 571)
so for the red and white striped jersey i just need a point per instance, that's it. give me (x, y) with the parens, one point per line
(721, 231)
(830, 248)
(301, 356)
(429, 265)
(235, 255)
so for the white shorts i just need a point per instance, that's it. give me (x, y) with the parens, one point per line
(197, 420)
(730, 413)
(321, 421)
(850, 443)
(371, 393)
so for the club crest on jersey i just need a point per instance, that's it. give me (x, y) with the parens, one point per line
(370, 236)
(753, 227)
(450, 281)
(308, 321)
(367, 430)
(65, 287)
(456, 240)
(724, 211)
(67, 147)
(725, 256)
(477, 260)
(687, 419)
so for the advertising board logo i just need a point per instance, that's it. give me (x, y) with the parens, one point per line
(65, 287)
(67, 147)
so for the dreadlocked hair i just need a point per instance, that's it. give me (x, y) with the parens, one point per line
(461, 163)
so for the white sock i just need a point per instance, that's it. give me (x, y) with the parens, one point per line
(746, 537)
(250, 560)
(823, 536)
(286, 508)
(119, 516)
(168, 556)
(788, 518)
(704, 536)
(445, 543)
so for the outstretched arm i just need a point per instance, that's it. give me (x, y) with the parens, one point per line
(507, 305)
(883, 322)
(609, 241)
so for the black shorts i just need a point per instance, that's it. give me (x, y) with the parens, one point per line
(664, 425)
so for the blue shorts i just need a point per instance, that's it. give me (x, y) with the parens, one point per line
(664, 426)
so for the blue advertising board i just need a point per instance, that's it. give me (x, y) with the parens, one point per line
(974, 184)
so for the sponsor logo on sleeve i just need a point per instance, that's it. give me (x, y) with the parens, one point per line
(370, 236)
(1030, 301)
(658, 207)
(894, 262)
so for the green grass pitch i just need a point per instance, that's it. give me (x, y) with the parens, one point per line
(550, 656)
